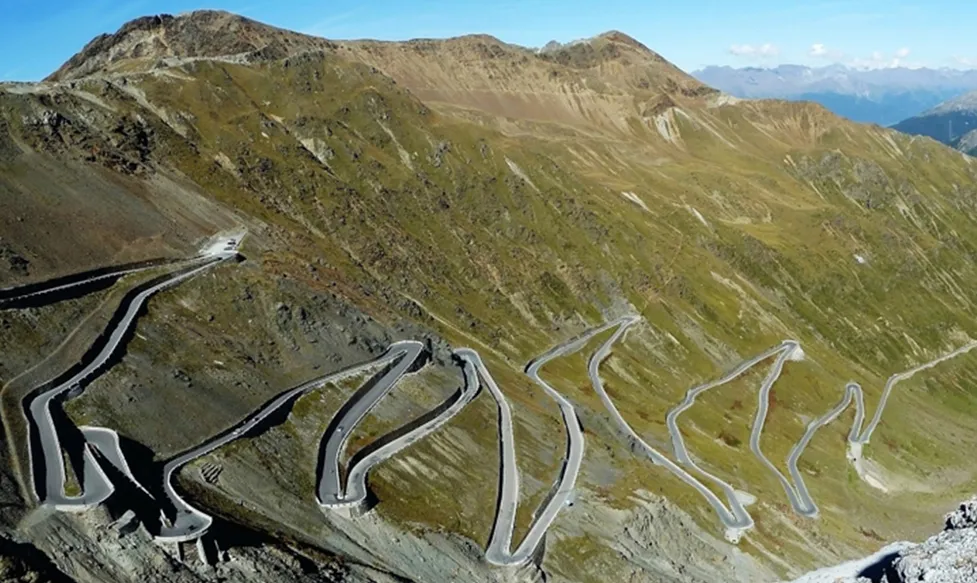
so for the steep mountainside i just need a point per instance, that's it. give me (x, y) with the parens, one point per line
(953, 122)
(469, 193)
(607, 81)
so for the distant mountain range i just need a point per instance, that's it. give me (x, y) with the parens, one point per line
(953, 122)
(882, 96)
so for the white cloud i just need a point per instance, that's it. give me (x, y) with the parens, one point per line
(820, 51)
(970, 62)
(880, 60)
(764, 51)
(876, 60)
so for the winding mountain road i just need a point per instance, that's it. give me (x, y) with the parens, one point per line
(499, 551)
(188, 522)
(396, 441)
(17, 294)
(500, 540)
(858, 436)
(736, 516)
(736, 520)
(102, 448)
(856, 439)
(330, 491)
(852, 390)
(96, 486)
(797, 494)
(794, 487)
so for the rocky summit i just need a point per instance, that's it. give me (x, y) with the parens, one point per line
(281, 308)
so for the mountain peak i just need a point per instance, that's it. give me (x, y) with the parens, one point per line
(607, 46)
(620, 37)
(962, 103)
(201, 33)
(460, 70)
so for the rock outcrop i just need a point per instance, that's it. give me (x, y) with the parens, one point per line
(948, 557)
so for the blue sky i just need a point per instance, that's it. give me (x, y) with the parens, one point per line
(36, 36)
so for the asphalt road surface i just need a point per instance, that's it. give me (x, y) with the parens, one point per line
(330, 490)
(96, 487)
(190, 523)
(398, 440)
(735, 523)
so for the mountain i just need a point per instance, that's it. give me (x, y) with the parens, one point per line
(574, 297)
(208, 34)
(953, 122)
(883, 96)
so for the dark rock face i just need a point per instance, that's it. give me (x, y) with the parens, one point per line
(23, 563)
(963, 517)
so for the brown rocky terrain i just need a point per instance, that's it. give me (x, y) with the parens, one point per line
(144, 42)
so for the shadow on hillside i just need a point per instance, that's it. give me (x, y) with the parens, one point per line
(882, 570)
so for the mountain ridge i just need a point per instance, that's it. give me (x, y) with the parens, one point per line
(791, 79)
(200, 33)
(612, 64)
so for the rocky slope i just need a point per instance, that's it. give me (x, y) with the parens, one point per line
(205, 34)
(603, 81)
(950, 556)
(472, 193)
